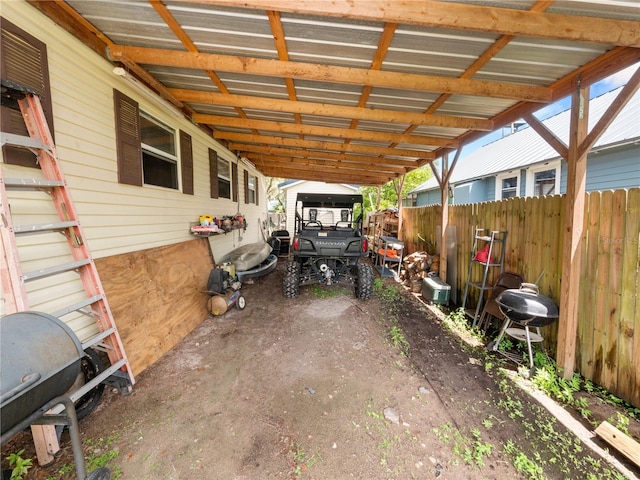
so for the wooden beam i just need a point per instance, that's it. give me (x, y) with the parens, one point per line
(550, 137)
(329, 110)
(69, 19)
(321, 131)
(239, 138)
(573, 233)
(612, 112)
(430, 13)
(620, 441)
(329, 177)
(330, 73)
(324, 155)
(611, 62)
(280, 161)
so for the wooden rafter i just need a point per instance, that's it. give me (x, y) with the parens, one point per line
(348, 133)
(430, 13)
(241, 138)
(349, 167)
(329, 73)
(329, 110)
(329, 175)
(248, 148)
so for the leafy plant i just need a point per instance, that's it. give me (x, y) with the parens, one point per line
(19, 466)
(399, 340)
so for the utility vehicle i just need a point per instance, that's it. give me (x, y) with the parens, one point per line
(328, 246)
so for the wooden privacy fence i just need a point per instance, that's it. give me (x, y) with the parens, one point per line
(608, 343)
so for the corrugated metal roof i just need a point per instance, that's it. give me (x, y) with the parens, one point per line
(418, 69)
(525, 147)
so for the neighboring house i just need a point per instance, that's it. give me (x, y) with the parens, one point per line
(293, 187)
(140, 174)
(524, 164)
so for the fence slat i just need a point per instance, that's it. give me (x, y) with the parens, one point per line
(608, 350)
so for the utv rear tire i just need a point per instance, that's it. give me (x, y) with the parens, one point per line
(291, 282)
(364, 282)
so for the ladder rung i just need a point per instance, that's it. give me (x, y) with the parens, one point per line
(77, 306)
(43, 227)
(21, 141)
(101, 377)
(48, 272)
(32, 183)
(97, 338)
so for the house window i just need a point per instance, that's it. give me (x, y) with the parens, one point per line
(250, 188)
(147, 149)
(507, 186)
(544, 180)
(159, 159)
(224, 178)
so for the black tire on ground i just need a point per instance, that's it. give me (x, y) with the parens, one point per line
(90, 366)
(364, 282)
(291, 281)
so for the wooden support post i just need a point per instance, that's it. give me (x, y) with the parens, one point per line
(444, 216)
(573, 230)
(45, 440)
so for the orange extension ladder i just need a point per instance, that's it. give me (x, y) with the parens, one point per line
(95, 305)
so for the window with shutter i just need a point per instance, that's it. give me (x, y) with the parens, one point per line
(234, 179)
(213, 172)
(224, 178)
(186, 162)
(24, 61)
(128, 140)
(250, 188)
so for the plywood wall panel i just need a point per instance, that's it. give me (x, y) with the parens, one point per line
(156, 296)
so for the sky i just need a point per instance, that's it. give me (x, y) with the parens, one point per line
(597, 89)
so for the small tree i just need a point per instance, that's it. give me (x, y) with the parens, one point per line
(397, 188)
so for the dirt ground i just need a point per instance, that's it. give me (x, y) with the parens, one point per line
(318, 387)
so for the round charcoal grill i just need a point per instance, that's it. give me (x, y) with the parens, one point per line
(526, 308)
(40, 360)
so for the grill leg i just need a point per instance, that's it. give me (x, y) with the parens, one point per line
(531, 365)
(493, 346)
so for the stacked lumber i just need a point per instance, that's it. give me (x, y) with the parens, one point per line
(417, 266)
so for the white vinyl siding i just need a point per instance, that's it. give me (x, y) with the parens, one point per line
(116, 218)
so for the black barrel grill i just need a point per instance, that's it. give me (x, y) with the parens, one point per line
(526, 308)
(39, 362)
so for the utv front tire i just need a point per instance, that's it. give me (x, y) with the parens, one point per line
(291, 282)
(364, 282)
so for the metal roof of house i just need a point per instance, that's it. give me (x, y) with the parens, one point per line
(525, 147)
(356, 91)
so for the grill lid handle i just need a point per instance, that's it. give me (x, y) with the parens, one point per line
(28, 380)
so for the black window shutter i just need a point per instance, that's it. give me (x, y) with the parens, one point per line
(246, 187)
(213, 172)
(234, 180)
(128, 139)
(23, 60)
(186, 161)
(255, 186)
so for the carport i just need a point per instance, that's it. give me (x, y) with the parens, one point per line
(363, 92)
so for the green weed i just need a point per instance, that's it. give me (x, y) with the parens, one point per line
(320, 291)
(19, 466)
(398, 339)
